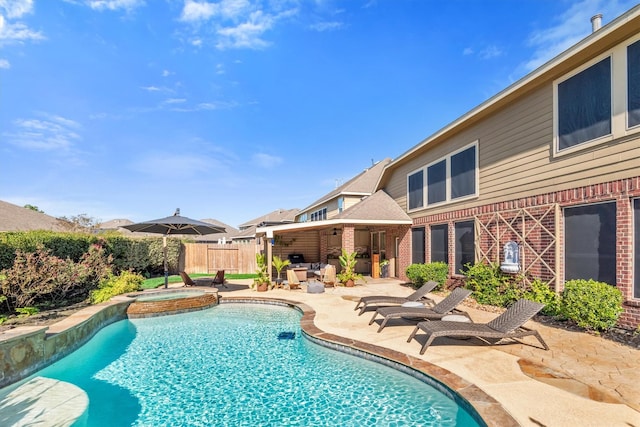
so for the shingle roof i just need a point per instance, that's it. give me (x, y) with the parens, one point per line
(377, 207)
(17, 218)
(277, 217)
(364, 183)
(230, 233)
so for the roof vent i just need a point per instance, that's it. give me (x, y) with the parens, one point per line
(596, 22)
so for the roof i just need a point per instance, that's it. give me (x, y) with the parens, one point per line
(276, 217)
(362, 184)
(17, 218)
(230, 233)
(597, 42)
(379, 207)
(115, 224)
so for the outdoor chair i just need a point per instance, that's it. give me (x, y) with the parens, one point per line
(508, 325)
(219, 279)
(329, 275)
(419, 294)
(186, 279)
(445, 307)
(292, 280)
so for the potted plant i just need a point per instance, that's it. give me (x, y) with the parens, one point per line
(262, 281)
(348, 275)
(279, 264)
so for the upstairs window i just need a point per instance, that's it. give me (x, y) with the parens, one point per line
(416, 190)
(319, 215)
(463, 173)
(437, 182)
(633, 85)
(584, 106)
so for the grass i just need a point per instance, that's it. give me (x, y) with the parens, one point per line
(156, 282)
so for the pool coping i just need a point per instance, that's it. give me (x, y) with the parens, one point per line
(482, 407)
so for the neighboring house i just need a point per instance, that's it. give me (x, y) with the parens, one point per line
(552, 163)
(353, 216)
(247, 231)
(226, 237)
(115, 225)
(17, 218)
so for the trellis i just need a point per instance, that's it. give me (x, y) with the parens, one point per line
(520, 225)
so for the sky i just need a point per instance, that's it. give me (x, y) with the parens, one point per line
(231, 109)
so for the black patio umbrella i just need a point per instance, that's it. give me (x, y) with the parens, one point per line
(170, 225)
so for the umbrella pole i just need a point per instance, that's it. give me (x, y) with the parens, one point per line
(166, 266)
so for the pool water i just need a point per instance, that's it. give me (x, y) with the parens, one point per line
(241, 365)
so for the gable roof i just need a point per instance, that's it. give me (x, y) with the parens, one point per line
(362, 184)
(377, 207)
(618, 30)
(229, 234)
(17, 218)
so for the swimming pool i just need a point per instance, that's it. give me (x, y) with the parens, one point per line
(240, 365)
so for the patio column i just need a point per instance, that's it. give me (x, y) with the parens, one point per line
(349, 238)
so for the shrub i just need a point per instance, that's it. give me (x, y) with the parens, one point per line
(491, 286)
(591, 304)
(116, 285)
(419, 274)
(539, 291)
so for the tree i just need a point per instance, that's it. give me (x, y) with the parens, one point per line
(33, 208)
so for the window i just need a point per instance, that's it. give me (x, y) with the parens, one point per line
(636, 248)
(584, 105)
(590, 242)
(465, 245)
(448, 179)
(303, 218)
(463, 173)
(340, 204)
(319, 215)
(633, 85)
(439, 243)
(416, 190)
(437, 182)
(417, 245)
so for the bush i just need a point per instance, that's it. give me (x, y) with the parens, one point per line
(116, 285)
(491, 286)
(419, 274)
(539, 291)
(591, 304)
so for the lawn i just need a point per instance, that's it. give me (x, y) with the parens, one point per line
(155, 282)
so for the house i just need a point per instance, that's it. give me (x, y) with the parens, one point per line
(552, 163)
(353, 216)
(247, 230)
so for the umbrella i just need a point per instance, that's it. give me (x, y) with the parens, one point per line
(174, 224)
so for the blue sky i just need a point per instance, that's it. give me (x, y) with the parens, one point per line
(230, 109)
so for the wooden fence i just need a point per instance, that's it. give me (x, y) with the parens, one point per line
(209, 258)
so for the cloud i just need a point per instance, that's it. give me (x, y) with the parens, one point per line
(167, 73)
(5, 64)
(199, 11)
(266, 161)
(489, 52)
(571, 26)
(113, 5)
(16, 8)
(327, 26)
(467, 51)
(182, 165)
(233, 24)
(17, 32)
(51, 133)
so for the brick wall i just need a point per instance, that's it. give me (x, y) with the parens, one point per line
(539, 229)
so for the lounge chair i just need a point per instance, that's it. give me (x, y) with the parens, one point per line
(437, 312)
(219, 279)
(419, 294)
(508, 325)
